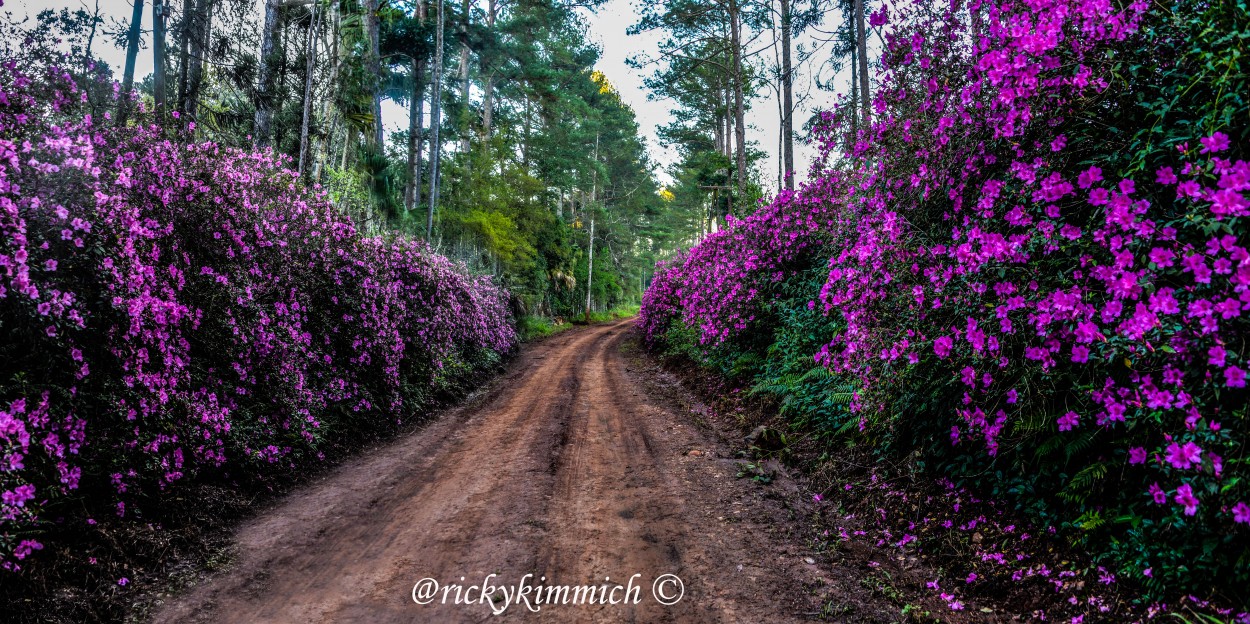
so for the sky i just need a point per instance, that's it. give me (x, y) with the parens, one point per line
(607, 27)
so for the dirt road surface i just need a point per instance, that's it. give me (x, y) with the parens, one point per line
(569, 466)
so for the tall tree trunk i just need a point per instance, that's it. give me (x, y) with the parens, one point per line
(416, 138)
(265, 82)
(266, 79)
(436, 114)
(132, 54)
(416, 106)
(335, 53)
(590, 266)
(590, 248)
(488, 98)
(310, 65)
(861, 40)
(787, 87)
(854, 96)
(724, 201)
(284, 49)
(464, 72)
(158, 57)
(781, 150)
(201, 22)
(740, 129)
(718, 134)
(184, 51)
(727, 118)
(374, 67)
(525, 136)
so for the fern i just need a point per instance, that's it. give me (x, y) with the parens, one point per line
(1079, 444)
(1081, 485)
(1090, 520)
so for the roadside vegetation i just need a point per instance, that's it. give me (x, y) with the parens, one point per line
(1021, 274)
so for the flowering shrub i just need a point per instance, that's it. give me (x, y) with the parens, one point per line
(1038, 266)
(172, 308)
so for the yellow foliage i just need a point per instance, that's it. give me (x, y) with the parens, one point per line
(600, 79)
(665, 194)
(499, 233)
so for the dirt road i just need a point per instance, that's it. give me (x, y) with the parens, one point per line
(569, 466)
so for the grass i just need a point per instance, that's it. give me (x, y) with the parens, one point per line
(619, 312)
(535, 327)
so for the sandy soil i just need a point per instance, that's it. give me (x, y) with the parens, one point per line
(574, 465)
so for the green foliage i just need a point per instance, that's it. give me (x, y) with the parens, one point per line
(1183, 78)
(534, 327)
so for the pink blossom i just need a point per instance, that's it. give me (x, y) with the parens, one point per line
(1184, 456)
(1234, 377)
(1241, 513)
(1215, 143)
(1160, 497)
(1089, 177)
(1069, 421)
(1185, 498)
(879, 17)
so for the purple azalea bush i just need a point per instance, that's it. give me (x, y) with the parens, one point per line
(1035, 266)
(172, 308)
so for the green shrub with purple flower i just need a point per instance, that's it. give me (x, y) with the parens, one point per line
(1037, 272)
(172, 309)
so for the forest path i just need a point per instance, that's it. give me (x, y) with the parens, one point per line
(576, 465)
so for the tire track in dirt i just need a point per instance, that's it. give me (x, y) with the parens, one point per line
(564, 467)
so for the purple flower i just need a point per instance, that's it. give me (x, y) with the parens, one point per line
(1185, 498)
(1215, 356)
(1088, 177)
(879, 18)
(1137, 455)
(1080, 353)
(1234, 377)
(1099, 197)
(26, 547)
(1184, 456)
(1160, 497)
(942, 346)
(1241, 513)
(19, 495)
(1068, 421)
(1215, 143)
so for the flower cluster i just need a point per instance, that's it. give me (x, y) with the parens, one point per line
(169, 308)
(1043, 280)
